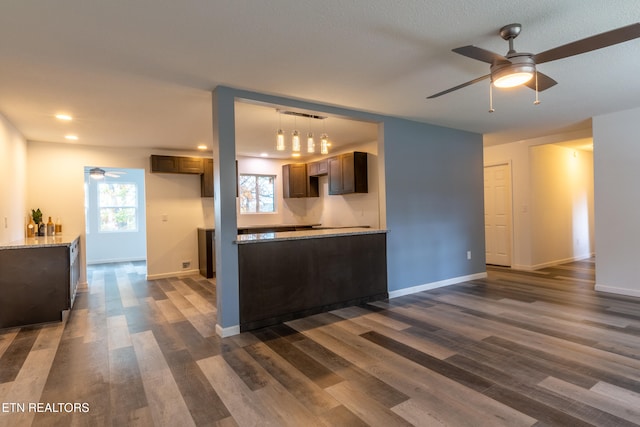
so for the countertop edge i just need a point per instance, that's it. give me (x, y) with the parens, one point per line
(40, 242)
(304, 234)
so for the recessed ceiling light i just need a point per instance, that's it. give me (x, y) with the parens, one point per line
(65, 117)
(295, 154)
(202, 147)
(72, 137)
(264, 155)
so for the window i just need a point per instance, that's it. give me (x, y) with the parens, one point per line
(118, 206)
(257, 194)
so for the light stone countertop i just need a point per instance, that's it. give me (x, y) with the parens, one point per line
(305, 234)
(39, 242)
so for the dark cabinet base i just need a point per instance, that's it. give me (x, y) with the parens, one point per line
(37, 284)
(206, 252)
(284, 280)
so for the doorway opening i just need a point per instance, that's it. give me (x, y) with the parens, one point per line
(115, 216)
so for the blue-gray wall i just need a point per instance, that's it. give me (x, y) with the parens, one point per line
(434, 198)
(434, 201)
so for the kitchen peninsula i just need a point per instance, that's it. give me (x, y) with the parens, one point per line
(285, 275)
(38, 279)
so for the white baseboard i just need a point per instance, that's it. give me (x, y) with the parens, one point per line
(620, 291)
(228, 331)
(521, 267)
(173, 274)
(550, 263)
(434, 285)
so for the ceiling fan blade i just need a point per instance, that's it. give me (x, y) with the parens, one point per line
(479, 79)
(588, 44)
(544, 82)
(111, 175)
(480, 54)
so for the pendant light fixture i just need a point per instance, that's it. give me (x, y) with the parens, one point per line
(280, 140)
(324, 140)
(296, 145)
(311, 145)
(324, 144)
(295, 142)
(280, 134)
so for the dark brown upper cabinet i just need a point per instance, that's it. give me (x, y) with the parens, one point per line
(294, 181)
(187, 165)
(318, 168)
(176, 164)
(191, 165)
(348, 173)
(206, 179)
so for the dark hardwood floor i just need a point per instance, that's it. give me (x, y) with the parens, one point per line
(518, 348)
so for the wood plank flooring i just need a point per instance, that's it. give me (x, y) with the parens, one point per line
(515, 349)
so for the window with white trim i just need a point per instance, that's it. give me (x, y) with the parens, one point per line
(118, 207)
(257, 193)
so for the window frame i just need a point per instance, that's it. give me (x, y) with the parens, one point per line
(134, 206)
(257, 193)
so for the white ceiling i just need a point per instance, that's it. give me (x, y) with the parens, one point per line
(139, 73)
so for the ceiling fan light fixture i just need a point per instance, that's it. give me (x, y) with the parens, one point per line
(96, 173)
(513, 75)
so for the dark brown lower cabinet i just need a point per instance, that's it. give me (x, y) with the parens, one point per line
(206, 252)
(37, 284)
(287, 279)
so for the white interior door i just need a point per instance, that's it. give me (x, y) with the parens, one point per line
(497, 214)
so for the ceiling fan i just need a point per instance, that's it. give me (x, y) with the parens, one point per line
(99, 173)
(518, 68)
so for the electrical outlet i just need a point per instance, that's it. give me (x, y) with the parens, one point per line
(468, 254)
(186, 264)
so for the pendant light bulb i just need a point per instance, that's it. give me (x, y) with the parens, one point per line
(324, 144)
(280, 140)
(311, 145)
(295, 145)
(280, 133)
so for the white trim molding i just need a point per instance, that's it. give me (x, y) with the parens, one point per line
(552, 263)
(228, 331)
(181, 273)
(620, 291)
(434, 285)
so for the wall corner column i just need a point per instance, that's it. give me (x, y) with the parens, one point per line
(224, 154)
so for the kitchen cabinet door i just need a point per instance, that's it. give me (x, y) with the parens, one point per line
(190, 165)
(294, 180)
(166, 164)
(335, 175)
(176, 164)
(317, 168)
(348, 173)
(206, 179)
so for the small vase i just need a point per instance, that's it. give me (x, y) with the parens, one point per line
(41, 228)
